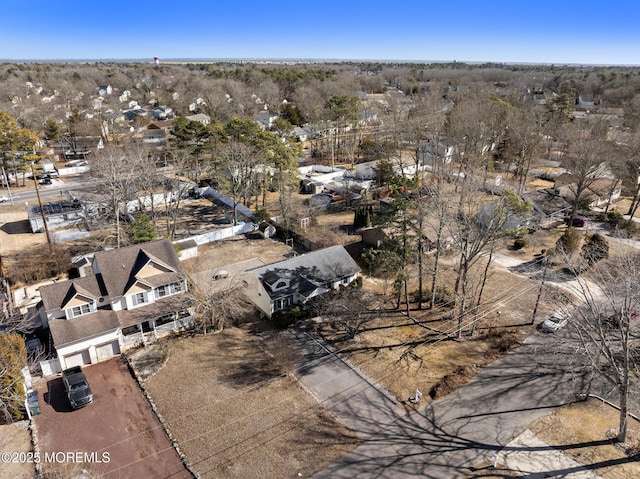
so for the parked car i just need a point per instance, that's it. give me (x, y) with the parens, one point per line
(578, 221)
(554, 322)
(34, 345)
(4, 199)
(77, 387)
(614, 322)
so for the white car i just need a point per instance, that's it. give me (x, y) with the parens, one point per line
(554, 322)
(4, 198)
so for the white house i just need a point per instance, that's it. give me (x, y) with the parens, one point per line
(128, 297)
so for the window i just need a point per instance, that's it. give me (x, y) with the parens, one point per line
(80, 310)
(130, 330)
(280, 285)
(162, 291)
(167, 289)
(281, 303)
(139, 298)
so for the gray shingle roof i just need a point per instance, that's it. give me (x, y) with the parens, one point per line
(117, 269)
(65, 331)
(55, 295)
(315, 268)
(119, 265)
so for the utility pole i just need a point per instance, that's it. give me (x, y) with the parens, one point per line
(44, 217)
(545, 264)
(6, 178)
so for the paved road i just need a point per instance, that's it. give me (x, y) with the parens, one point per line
(443, 439)
(65, 183)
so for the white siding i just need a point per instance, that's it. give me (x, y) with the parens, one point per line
(88, 345)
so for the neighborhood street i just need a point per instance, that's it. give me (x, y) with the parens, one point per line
(443, 439)
(28, 193)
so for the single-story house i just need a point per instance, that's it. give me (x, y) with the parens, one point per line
(600, 190)
(277, 286)
(128, 297)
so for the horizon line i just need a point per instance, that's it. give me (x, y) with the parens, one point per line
(175, 60)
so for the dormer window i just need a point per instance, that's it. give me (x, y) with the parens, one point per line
(139, 298)
(280, 285)
(79, 310)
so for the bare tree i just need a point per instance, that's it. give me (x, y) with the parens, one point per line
(236, 164)
(607, 326)
(585, 160)
(347, 310)
(219, 308)
(115, 172)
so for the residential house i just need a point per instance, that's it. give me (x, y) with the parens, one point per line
(157, 132)
(162, 113)
(201, 117)
(128, 297)
(59, 215)
(602, 186)
(585, 101)
(265, 119)
(278, 286)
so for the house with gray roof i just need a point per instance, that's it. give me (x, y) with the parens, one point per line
(277, 286)
(123, 298)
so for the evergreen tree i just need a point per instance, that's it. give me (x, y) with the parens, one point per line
(143, 230)
(51, 130)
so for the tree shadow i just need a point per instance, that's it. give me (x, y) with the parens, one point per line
(449, 437)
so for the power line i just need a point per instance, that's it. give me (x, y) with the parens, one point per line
(474, 319)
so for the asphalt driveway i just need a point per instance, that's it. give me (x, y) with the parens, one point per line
(442, 439)
(119, 432)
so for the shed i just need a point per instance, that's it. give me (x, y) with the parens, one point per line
(266, 230)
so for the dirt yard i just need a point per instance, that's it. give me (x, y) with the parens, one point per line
(235, 415)
(233, 250)
(15, 232)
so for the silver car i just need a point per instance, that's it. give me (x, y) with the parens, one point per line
(554, 322)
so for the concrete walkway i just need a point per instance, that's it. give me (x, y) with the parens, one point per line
(532, 458)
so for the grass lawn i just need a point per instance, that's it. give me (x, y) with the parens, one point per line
(235, 415)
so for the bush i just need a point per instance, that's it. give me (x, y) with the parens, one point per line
(613, 217)
(519, 243)
(502, 340)
(568, 243)
(443, 295)
(449, 383)
(284, 319)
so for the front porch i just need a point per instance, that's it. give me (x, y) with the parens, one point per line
(148, 331)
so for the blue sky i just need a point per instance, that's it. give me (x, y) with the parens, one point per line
(560, 31)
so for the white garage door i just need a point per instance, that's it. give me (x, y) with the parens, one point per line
(108, 350)
(77, 359)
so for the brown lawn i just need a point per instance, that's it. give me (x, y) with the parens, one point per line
(402, 353)
(15, 444)
(235, 415)
(575, 426)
